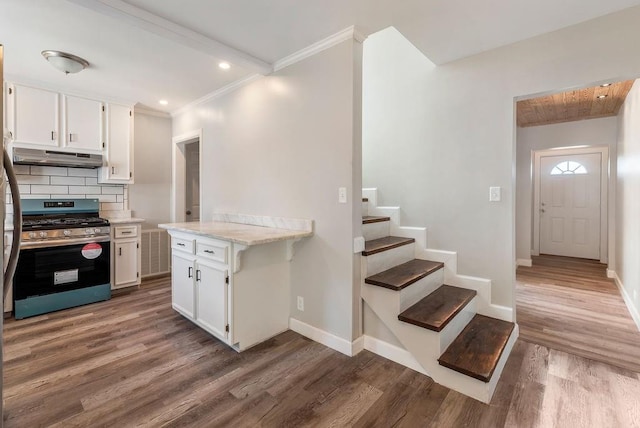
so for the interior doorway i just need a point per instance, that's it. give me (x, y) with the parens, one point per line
(192, 181)
(186, 198)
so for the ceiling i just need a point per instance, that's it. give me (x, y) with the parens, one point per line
(579, 104)
(147, 50)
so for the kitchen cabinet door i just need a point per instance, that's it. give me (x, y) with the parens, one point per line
(211, 298)
(34, 116)
(126, 263)
(119, 145)
(182, 283)
(83, 124)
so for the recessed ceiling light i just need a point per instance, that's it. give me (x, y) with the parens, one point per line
(224, 65)
(604, 85)
(601, 97)
(163, 102)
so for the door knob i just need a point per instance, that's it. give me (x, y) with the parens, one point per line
(541, 210)
(188, 212)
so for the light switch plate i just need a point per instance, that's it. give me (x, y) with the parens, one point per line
(342, 195)
(495, 194)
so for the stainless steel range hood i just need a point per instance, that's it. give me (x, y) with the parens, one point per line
(53, 158)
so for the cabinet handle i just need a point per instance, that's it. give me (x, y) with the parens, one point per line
(113, 170)
(71, 138)
(198, 276)
(127, 232)
(190, 272)
(209, 251)
(120, 251)
(53, 135)
(180, 244)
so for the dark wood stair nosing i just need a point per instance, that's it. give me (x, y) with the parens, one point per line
(379, 280)
(465, 296)
(471, 373)
(400, 242)
(369, 219)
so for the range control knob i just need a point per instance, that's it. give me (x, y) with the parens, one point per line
(43, 234)
(88, 231)
(96, 230)
(32, 235)
(67, 233)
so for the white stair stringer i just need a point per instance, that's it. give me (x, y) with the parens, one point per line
(450, 259)
(426, 346)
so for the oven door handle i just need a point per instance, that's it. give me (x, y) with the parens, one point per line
(63, 242)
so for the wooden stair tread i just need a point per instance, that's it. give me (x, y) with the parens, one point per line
(383, 244)
(401, 276)
(436, 310)
(368, 219)
(477, 349)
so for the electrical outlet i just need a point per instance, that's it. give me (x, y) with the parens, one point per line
(301, 303)
(494, 194)
(342, 195)
(358, 244)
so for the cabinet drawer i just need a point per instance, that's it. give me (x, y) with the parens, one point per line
(212, 251)
(125, 231)
(182, 244)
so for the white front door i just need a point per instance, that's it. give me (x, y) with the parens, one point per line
(192, 190)
(570, 205)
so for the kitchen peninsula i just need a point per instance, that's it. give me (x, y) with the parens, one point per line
(231, 276)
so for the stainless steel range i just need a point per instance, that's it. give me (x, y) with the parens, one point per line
(64, 256)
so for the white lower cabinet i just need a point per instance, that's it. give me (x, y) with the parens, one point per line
(125, 255)
(242, 304)
(182, 288)
(211, 298)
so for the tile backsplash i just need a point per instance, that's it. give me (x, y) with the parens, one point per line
(46, 182)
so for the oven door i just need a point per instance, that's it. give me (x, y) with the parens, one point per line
(54, 267)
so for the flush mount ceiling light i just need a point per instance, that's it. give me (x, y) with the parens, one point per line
(65, 62)
(601, 97)
(224, 65)
(605, 85)
(163, 102)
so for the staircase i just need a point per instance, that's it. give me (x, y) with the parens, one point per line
(450, 327)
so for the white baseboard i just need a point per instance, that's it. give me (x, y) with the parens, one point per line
(500, 312)
(393, 353)
(627, 299)
(327, 339)
(524, 262)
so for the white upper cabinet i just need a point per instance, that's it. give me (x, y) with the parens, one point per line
(33, 116)
(119, 145)
(82, 124)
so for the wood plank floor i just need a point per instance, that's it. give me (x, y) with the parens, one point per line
(570, 305)
(133, 361)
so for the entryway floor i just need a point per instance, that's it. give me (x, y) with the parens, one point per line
(570, 305)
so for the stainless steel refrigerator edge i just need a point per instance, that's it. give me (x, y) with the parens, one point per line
(7, 273)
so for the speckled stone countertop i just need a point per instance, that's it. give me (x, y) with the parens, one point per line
(246, 234)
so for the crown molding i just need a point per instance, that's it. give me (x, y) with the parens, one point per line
(137, 109)
(162, 27)
(349, 33)
(217, 93)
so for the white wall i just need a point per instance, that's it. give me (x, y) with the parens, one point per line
(441, 171)
(594, 132)
(627, 265)
(282, 146)
(150, 194)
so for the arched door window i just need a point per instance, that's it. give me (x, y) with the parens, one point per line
(568, 167)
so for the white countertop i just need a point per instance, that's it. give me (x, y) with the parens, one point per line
(245, 234)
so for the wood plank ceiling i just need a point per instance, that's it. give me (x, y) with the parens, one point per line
(579, 104)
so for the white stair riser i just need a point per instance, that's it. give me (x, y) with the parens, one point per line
(457, 324)
(384, 260)
(412, 294)
(372, 231)
(365, 208)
